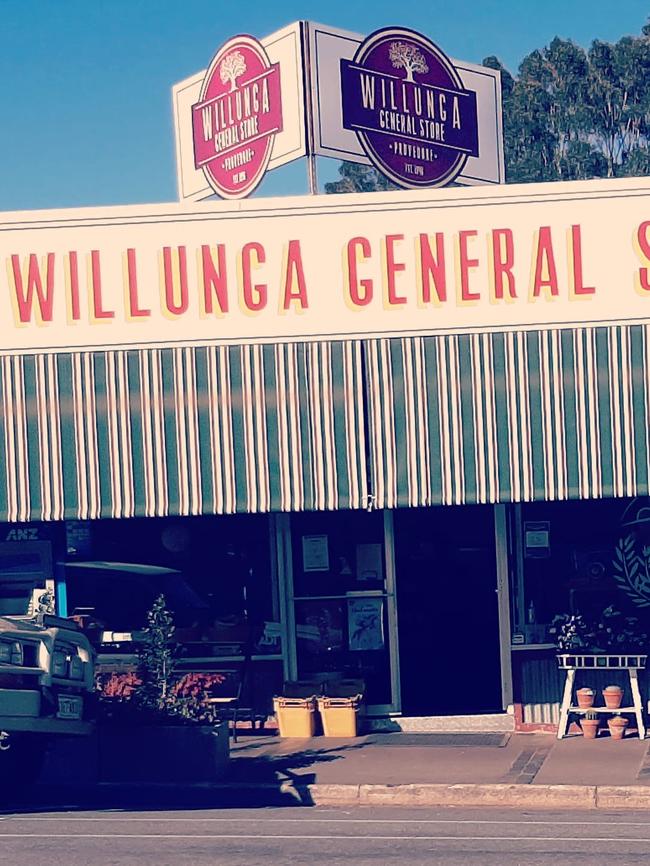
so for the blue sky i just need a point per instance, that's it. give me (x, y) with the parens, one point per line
(85, 94)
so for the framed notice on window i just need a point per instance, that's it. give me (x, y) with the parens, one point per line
(315, 553)
(365, 624)
(369, 563)
(537, 539)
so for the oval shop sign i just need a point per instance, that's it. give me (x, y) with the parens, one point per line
(406, 102)
(238, 114)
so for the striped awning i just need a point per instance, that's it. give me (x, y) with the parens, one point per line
(204, 430)
(509, 417)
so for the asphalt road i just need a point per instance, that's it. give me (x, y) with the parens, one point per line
(315, 836)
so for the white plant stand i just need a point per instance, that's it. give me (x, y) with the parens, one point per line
(572, 662)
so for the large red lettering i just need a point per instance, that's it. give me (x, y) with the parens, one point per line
(466, 264)
(503, 259)
(25, 296)
(579, 287)
(295, 288)
(73, 283)
(644, 249)
(545, 270)
(96, 275)
(176, 300)
(215, 279)
(392, 268)
(358, 248)
(431, 266)
(135, 311)
(255, 296)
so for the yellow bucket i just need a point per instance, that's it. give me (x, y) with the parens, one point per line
(296, 717)
(339, 716)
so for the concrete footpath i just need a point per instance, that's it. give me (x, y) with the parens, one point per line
(497, 769)
(399, 769)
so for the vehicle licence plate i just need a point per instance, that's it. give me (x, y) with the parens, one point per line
(70, 707)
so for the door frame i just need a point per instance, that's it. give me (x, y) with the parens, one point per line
(502, 554)
(284, 547)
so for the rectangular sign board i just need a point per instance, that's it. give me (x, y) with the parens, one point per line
(327, 267)
(284, 48)
(329, 46)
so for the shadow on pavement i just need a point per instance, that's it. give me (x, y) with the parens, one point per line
(252, 781)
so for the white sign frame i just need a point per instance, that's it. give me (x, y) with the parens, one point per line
(283, 47)
(329, 45)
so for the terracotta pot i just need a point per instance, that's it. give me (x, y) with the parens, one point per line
(585, 698)
(617, 727)
(589, 728)
(613, 698)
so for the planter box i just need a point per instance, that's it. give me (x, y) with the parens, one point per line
(163, 753)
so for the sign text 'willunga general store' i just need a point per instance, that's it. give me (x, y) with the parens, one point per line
(352, 266)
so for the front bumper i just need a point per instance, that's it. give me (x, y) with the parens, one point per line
(63, 727)
(23, 710)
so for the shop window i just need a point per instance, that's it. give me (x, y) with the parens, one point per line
(567, 563)
(215, 573)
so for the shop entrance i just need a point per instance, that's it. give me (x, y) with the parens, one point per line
(341, 603)
(447, 608)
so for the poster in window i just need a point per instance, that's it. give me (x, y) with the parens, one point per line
(315, 553)
(369, 563)
(319, 626)
(365, 624)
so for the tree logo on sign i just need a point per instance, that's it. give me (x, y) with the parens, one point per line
(406, 56)
(232, 66)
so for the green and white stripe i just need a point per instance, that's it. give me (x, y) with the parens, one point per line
(504, 417)
(510, 417)
(206, 430)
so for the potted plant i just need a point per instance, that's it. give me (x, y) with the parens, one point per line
(569, 631)
(617, 725)
(585, 698)
(589, 724)
(610, 632)
(613, 697)
(154, 724)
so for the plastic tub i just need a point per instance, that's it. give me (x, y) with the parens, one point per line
(339, 716)
(296, 717)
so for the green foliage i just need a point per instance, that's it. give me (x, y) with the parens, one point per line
(611, 631)
(157, 694)
(573, 114)
(358, 178)
(156, 657)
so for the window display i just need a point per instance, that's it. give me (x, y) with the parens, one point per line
(215, 574)
(592, 576)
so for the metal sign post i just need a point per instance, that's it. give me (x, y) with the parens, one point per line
(312, 176)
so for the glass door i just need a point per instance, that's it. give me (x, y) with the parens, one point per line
(341, 602)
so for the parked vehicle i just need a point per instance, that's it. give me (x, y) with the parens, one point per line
(46, 679)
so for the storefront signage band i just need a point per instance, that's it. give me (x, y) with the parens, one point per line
(418, 262)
